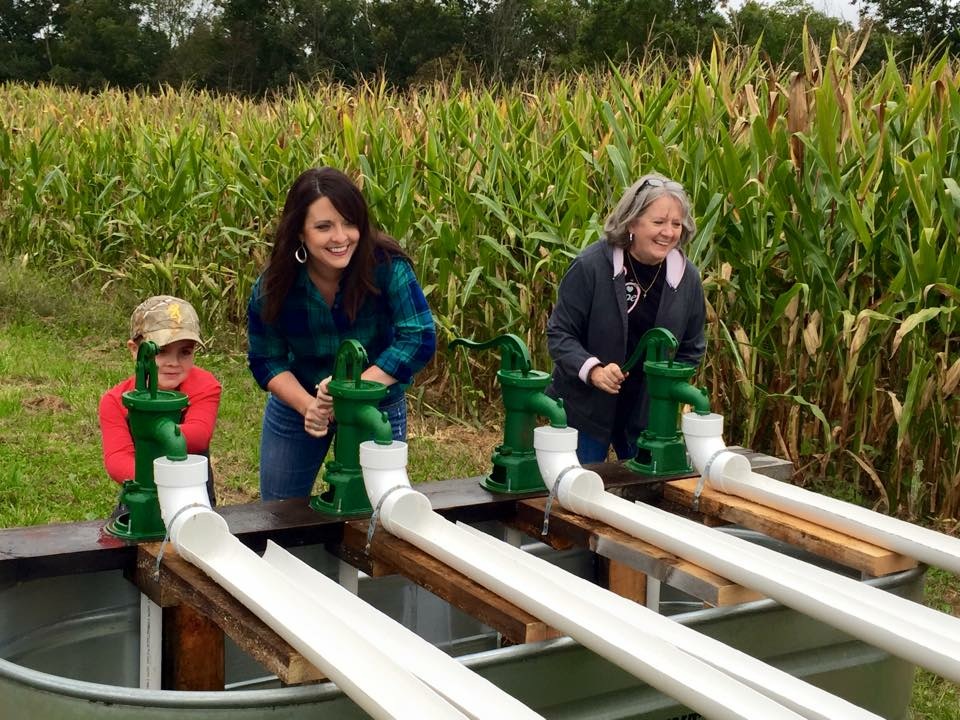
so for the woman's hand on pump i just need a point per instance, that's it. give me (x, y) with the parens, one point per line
(316, 419)
(608, 378)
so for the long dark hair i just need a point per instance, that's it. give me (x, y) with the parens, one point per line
(373, 247)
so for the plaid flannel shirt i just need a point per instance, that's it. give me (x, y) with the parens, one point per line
(395, 327)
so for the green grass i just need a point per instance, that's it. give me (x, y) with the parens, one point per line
(933, 697)
(62, 345)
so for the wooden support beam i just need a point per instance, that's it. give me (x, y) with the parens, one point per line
(187, 588)
(192, 651)
(568, 529)
(838, 547)
(622, 580)
(514, 624)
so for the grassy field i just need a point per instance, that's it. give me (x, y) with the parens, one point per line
(61, 346)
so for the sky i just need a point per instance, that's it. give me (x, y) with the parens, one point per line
(843, 9)
(838, 8)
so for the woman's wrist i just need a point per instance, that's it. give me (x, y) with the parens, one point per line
(307, 404)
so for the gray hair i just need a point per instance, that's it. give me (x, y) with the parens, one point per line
(635, 202)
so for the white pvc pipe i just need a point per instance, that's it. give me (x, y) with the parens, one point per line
(696, 684)
(151, 644)
(943, 630)
(376, 682)
(802, 697)
(704, 439)
(472, 694)
(892, 623)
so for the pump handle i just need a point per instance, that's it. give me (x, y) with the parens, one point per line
(657, 342)
(146, 368)
(350, 362)
(514, 354)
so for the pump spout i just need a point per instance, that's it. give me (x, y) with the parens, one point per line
(374, 421)
(545, 406)
(169, 439)
(683, 392)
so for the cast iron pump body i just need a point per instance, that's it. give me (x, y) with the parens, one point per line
(660, 448)
(515, 468)
(154, 416)
(358, 419)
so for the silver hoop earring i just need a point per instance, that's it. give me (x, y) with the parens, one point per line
(301, 254)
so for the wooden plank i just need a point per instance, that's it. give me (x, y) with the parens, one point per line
(838, 547)
(183, 584)
(622, 580)
(566, 529)
(192, 651)
(516, 625)
(69, 548)
(30, 553)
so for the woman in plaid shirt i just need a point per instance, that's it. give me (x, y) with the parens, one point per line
(331, 276)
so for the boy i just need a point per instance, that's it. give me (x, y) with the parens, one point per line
(173, 325)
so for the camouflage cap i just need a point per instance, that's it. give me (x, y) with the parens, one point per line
(164, 319)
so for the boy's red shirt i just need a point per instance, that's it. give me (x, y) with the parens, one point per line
(199, 419)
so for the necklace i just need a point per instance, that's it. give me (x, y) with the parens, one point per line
(633, 271)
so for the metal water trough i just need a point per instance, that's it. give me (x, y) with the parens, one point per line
(69, 648)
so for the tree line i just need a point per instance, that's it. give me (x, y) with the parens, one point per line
(255, 46)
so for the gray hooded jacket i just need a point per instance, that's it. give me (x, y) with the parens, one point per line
(588, 327)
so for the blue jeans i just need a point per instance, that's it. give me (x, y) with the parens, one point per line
(290, 458)
(591, 450)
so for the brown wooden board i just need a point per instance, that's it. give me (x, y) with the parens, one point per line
(193, 651)
(183, 584)
(567, 528)
(516, 625)
(39, 551)
(68, 548)
(622, 580)
(838, 547)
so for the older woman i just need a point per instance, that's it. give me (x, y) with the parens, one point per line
(633, 279)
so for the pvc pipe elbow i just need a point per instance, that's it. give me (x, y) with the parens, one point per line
(197, 533)
(404, 509)
(384, 471)
(556, 450)
(182, 492)
(384, 467)
(703, 435)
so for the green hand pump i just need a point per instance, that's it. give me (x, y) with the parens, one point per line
(358, 420)
(515, 467)
(154, 416)
(660, 448)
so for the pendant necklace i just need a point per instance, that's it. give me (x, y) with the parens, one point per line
(640, 288)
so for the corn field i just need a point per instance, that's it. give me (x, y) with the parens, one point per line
(827, 204)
